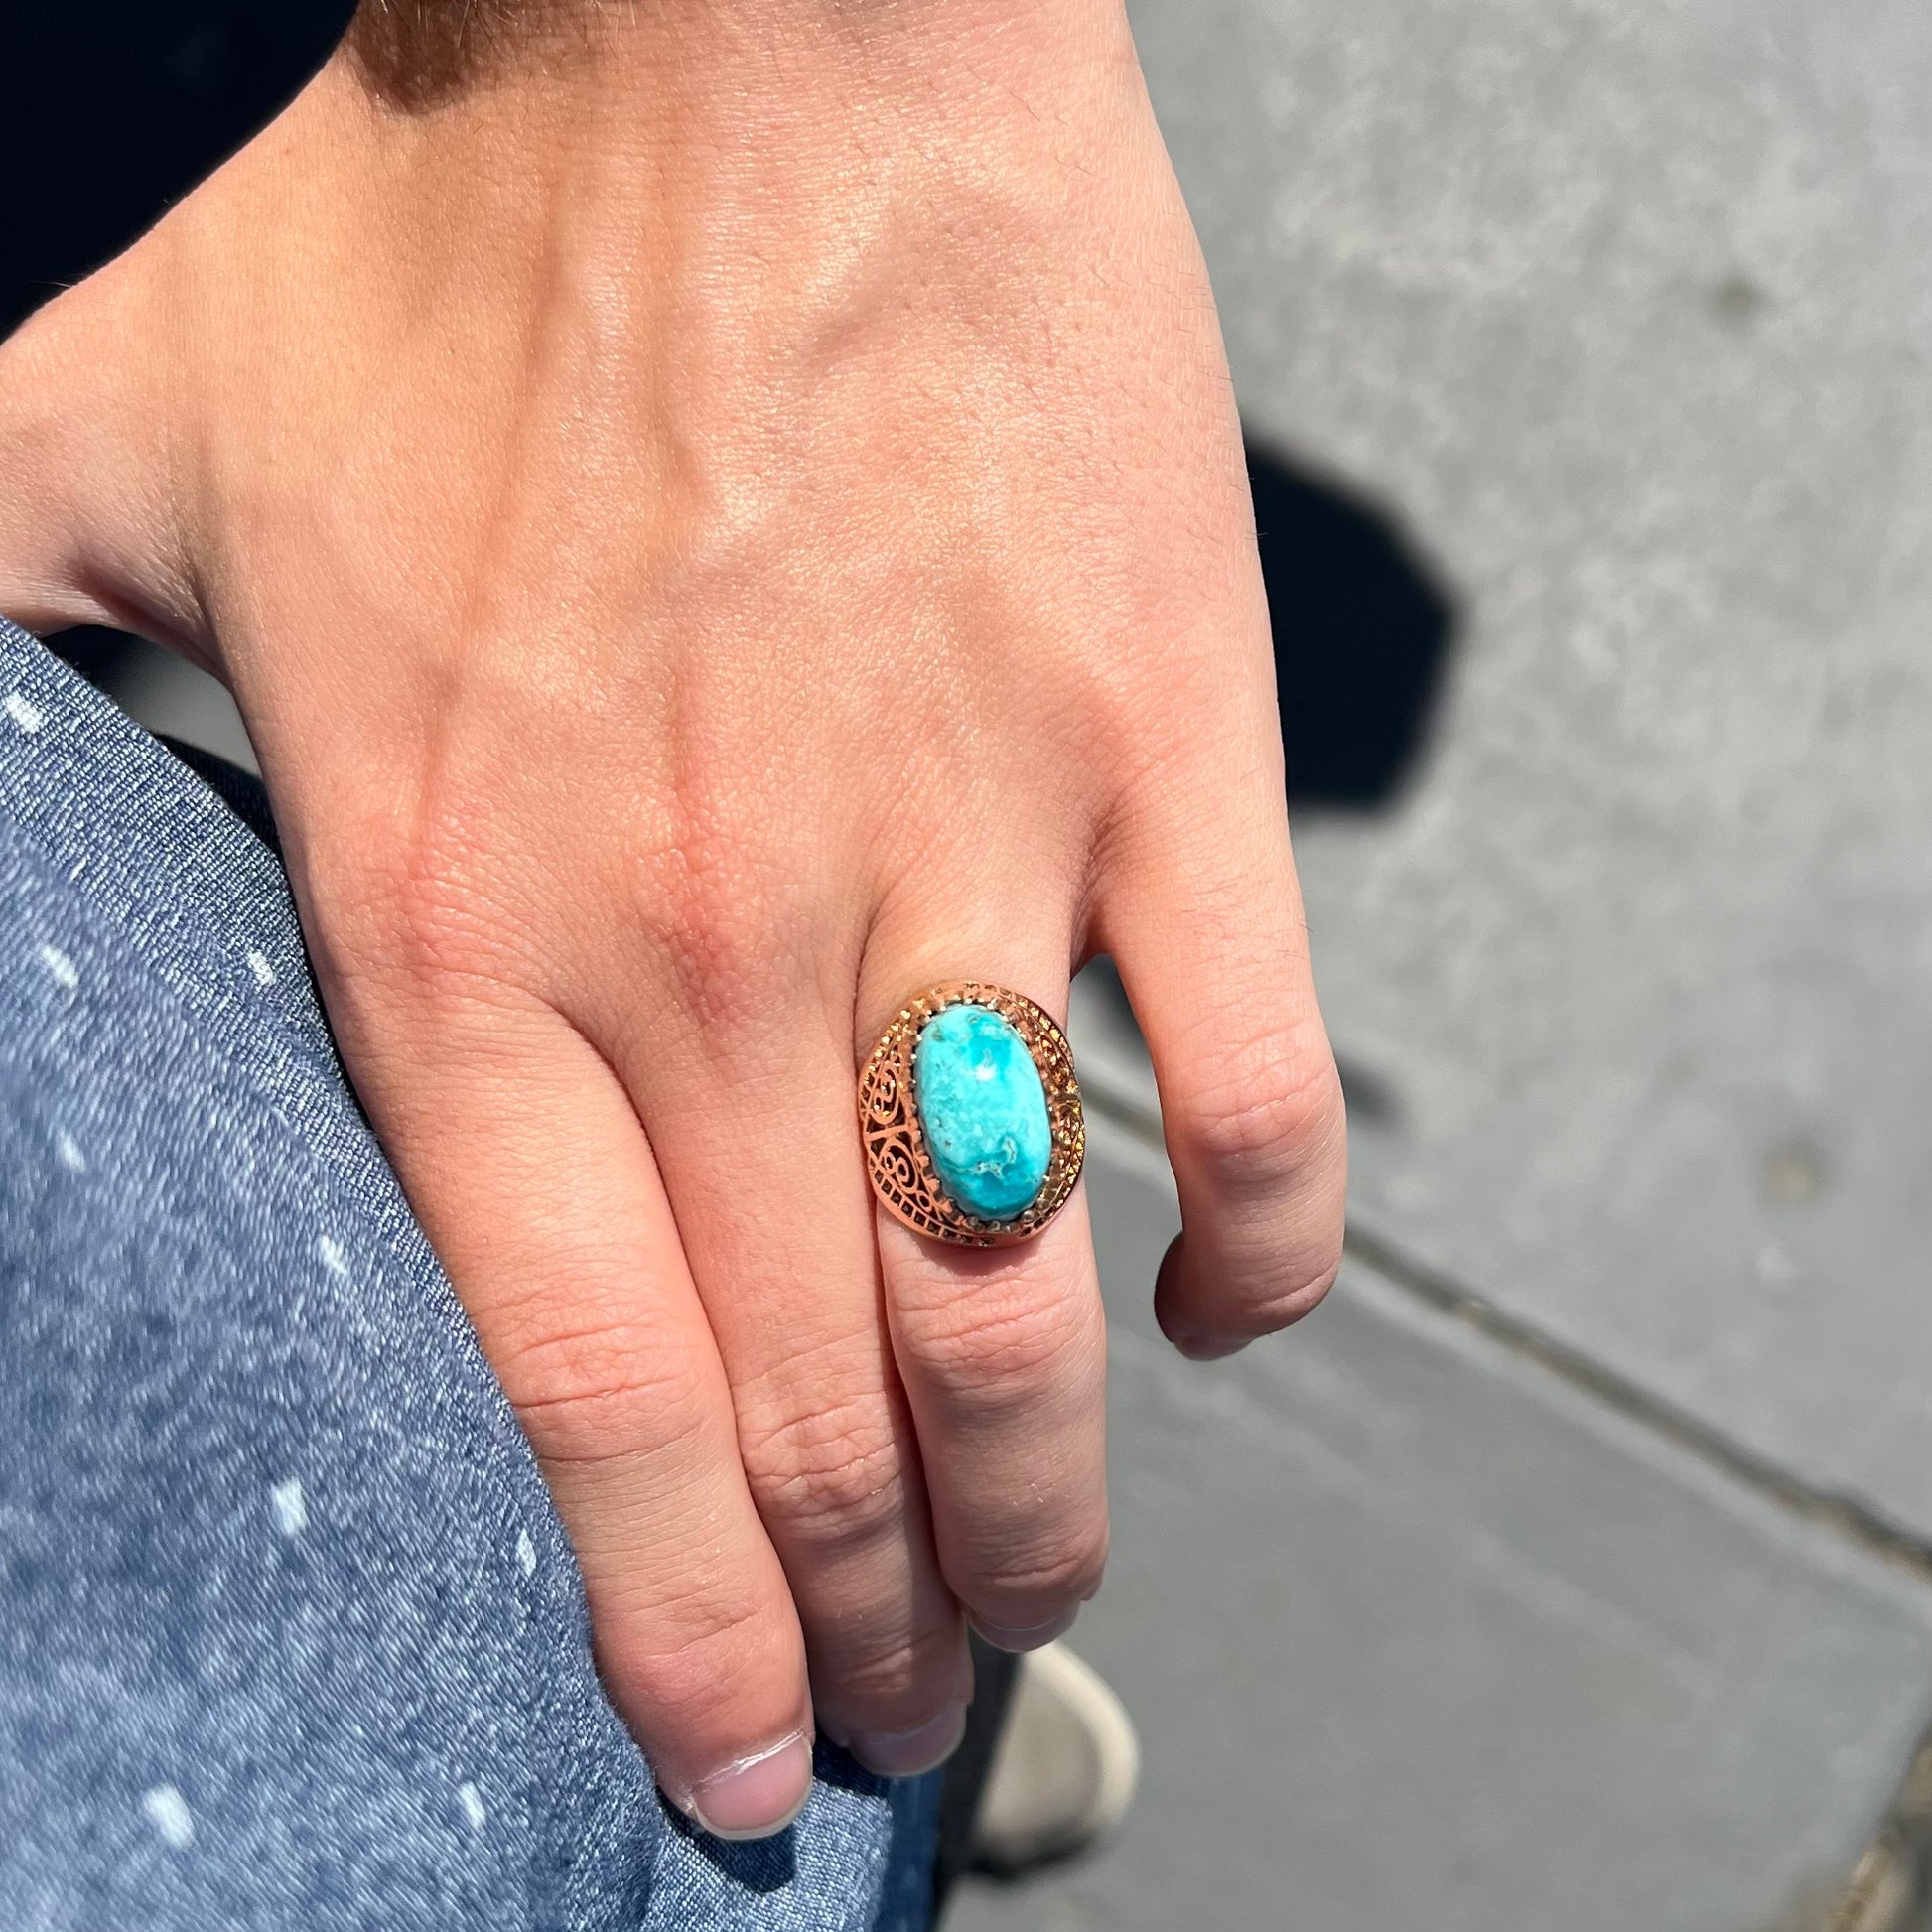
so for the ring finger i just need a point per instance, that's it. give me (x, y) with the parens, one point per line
(1003, 1351)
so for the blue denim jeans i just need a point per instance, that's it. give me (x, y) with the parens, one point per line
(291, 1639)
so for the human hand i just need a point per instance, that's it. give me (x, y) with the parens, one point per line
(716, 522)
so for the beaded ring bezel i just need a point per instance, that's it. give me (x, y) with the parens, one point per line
(902, 1169)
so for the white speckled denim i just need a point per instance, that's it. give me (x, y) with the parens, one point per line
(290, 1636)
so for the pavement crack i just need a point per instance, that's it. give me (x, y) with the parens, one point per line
(1849, 1516)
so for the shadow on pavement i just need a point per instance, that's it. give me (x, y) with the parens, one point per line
(1363, 630)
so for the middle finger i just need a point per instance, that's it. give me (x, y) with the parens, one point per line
(751, 1108)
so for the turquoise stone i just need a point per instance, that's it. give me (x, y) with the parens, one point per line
(983, 1111)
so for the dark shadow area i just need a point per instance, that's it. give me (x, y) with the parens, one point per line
(101, 656)
(116, 108)
(996, 1673)
(1363, 629)
(760, 1864)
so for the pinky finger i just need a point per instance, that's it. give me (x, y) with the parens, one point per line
(1208, 935)
(578, 1290)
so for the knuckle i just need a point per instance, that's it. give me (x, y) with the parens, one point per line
(691, 1629)
(598, 1393)
(830, 1476)
(900, 1677)
(721, 918)
(446, 923)
(996, 1354)
(1020, 1586)
(414, 914)
(1302, 1289)
(1269, 1112)
(682, 1660)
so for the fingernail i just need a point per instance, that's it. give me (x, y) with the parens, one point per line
(1215, 1350)
(908, 1753)
(1034, 1637)
(1199, 1346)
(757, 1796)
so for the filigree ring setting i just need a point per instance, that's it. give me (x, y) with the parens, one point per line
(971, 1116)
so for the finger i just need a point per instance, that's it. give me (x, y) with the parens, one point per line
(1204, 921)
(763, 1164)
(584, 1306)
(1003, 1351)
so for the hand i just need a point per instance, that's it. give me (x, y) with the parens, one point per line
(716, 523)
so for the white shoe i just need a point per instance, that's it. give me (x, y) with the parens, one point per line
(1064, 1771)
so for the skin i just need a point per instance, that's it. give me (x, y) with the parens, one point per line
(718, 517)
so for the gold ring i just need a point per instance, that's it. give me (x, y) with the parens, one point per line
(972, 1122)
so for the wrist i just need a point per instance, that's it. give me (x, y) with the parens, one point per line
(669, 132)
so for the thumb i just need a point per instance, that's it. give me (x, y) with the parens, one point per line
(89, 534)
